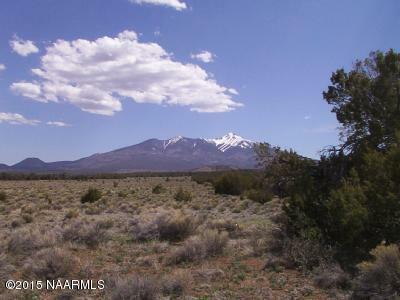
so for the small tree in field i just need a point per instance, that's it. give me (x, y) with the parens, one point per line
(92, 195)
(350, 198)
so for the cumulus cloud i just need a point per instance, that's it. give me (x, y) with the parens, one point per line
(57, 124)
(2, 67)
(176, 4)
(23, 47)
(97, 75)
(16, 119)
(28, 89)
(204, 56)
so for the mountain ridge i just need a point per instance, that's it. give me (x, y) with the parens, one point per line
(175, 154)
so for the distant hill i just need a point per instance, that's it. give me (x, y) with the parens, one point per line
(176, 154)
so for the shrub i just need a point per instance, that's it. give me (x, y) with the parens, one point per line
(3, 196)
(192, 250)
(158, 189)
(260, 239)
(227, 225)
(28, 218)
(176, 227)
(5, 267)
(331, 277)
(15, 223)
(380, 278)
(214, 242)
(171, 227)
(237, 182)
(83, 233)
(122, 194)
(210, 243)
(261, 196)
(51, 263)
(305, 253)
(144, 230)
(183, 196)
(92, 195)
(174, 285)
(72, 213)
(134, 288)
(25, 241)
(231, 184)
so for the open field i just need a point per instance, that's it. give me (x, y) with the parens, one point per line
(143, 242)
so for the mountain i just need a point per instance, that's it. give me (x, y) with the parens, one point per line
(176, 154)
(32, 163)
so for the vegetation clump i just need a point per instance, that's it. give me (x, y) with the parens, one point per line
(3, 196)
(209, 243)
(91, 196)
(349, 199)
(25, 241)
(233, 183)
(182, 195)
(261, 195)
(168, 227)
(50, 264)
(158, 189)
(135, 287)
(381, 276)
(89, 234)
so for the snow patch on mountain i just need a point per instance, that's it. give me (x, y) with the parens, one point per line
(231, 140)
(224, 143)
(172, 141)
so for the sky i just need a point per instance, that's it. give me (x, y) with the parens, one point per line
(83, 77)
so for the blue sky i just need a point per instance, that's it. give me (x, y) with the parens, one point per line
(197, 68)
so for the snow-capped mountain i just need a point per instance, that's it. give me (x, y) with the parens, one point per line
(174, 154)
(231, 140)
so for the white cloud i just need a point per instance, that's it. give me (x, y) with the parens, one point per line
(176, 4)
(97, 75)
(57, 124)
(2, 67)
(28, 89)
(233, 91)
(204, 56)
(16, 119)
(157, 33)
(307, 117)
(22, 47)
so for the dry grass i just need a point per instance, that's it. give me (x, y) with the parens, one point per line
(89, 234)
(380, 278)
(150, 244)
(27, 240)
(50, 263)
(165, 226)
(134, 288)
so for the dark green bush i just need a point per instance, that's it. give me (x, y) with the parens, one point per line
(183, 196)
(350, 198)
(261, 196)
(235, 183)
(3, 196)
(122, 194)
(158, 189)
(92, 195)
